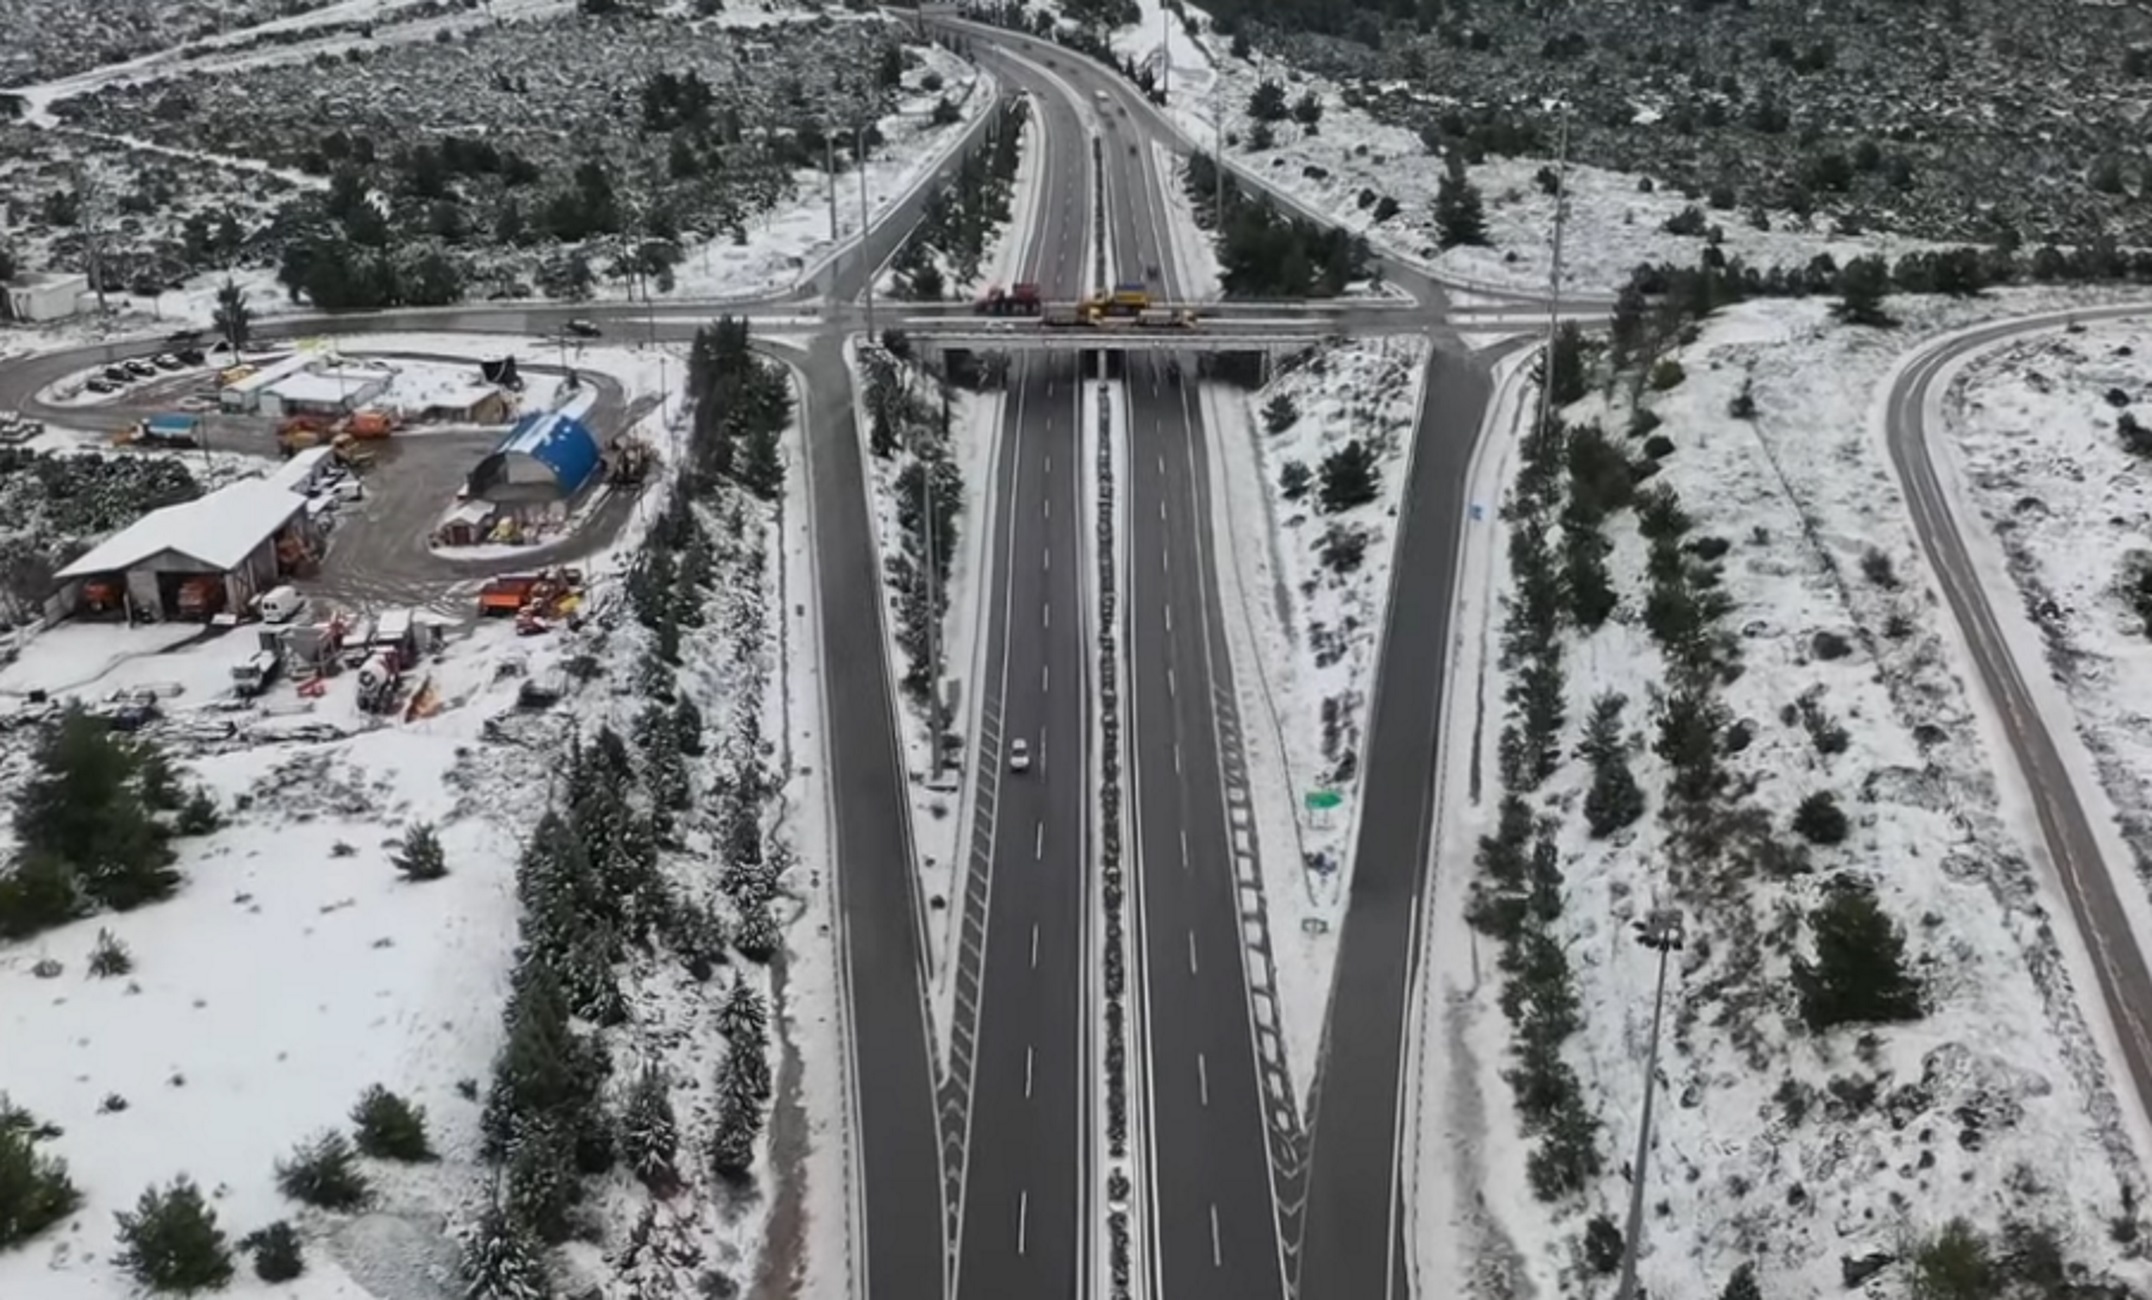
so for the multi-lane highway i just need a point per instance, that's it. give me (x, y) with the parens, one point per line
(1021, 1078)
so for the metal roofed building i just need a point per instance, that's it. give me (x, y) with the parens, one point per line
(547, 457)
(236, 541)
(328, 391)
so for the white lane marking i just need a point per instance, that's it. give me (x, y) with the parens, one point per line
(1184, 850)
(1161, 463)
(1038, 844)
(1169, 618)
(1202, 1076)
(1191, 952)
(1176, 756)
(1046, 616)
(1044, 670)
(1049, 560)
(1161, 510)
(1217, 1254)
(1163, 562)
(1027, 1073)
(1023, 1216)
(1049, 388)
(1049, 464)
(1034, 945)
(1170, 691)
(1049, 507)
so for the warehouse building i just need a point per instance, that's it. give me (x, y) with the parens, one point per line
(546, 458)
(193, 560)
(329, 391)
(36, 296)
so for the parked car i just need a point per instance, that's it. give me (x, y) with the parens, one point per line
(166, 361)
(582, 329)
(102, 386)
(140, 369)
(115, 375)
(190, 356)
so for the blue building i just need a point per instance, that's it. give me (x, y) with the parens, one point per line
(546, 457)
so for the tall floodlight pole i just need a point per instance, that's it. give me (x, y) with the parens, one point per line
(829, 148)
(1218, 156)
(859, 158)
(1554, 276)
(1662, 930)
(1165, 52)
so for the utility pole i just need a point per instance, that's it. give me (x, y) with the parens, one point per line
(1554, 276)
(829, 146)
(1165, 52)
(927, 465)
(1662, 931)
(859, 147)
(89, 213)
(1218, 156)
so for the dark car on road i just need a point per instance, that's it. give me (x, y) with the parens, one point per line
(582, 329)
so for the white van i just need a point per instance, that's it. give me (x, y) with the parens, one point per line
(282, 605)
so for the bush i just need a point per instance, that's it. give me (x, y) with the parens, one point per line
(1828, 645)
(109, 957)
(1294, 480)
(276, 1252)
(1820, 820)
(1876, 567)
(1350, 477)
(171, 1243)
(1602, 1246)
(324, 1173)
(1858, 975)
(1743, 407)
(1742, 1285)
(1343, 548)
(418, 854)
(387, 1127)
(199, 815)
(35, 1191)
(1279, 414)
(1667, 374)
(1658, 446)
(1689, 221)
(1954, 1265)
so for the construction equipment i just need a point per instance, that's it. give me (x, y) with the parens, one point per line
(201, 597)
(627, 459)
(369, 424)
(349, 453)
(296, 433)
(103, 597)
(1165, 318)
(1128, 298)
(378, 677)
(1018, 300)
(171, 432)
(549, 593)
(251, 678)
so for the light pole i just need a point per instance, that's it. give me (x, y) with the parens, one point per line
(1662, 930)
(1554, 276)
(859, 158)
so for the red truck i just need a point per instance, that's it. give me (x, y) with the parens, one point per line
(1017, 300)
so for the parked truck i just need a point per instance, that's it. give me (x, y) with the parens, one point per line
(251, 678)
(1017, 300)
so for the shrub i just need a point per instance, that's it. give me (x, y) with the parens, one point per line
(1602, 1246)
(387, 1127)
(1294, 480)
(35, 1191)
(1350, 477)
(1858, 975)
(1642, 421)
(324, 1173)
(1279, 414)
(109, 957)
(1343, 548)
(1876, 567)
(1689, 221)
(276, 1252)
(1828, 645)
(171, 1243)
(418, 854)
(1742, 1285)
(1743, 407)
(1667, 374)
(199, 815)
(1954, 1265)
(1820, 820)
(1658, 446)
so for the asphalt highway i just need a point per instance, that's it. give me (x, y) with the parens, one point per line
(1025, 1217)
(2073, 847)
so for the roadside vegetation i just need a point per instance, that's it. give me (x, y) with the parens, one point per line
(966, 211)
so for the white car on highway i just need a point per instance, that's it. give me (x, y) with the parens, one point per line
(1019, 755)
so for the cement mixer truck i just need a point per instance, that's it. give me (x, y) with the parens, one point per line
(378, 677)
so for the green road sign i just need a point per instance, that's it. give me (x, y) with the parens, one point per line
(1323, 800)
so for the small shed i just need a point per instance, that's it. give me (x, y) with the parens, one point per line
(473, 404)
(547, 457)
(43, 295)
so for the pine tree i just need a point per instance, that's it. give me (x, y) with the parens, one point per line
(1820, 820)
(389, 1128)
(541, 1185)
(535, 1071)
(1590, 585)
(418, 854)
(1280, 414)
(744, 1020)
(1861, 286)
(1614, 800)
(1350, 477)
(1460, 218)
(81, 808)
(35, 1191)
(277, 1254)
(1268, 104)
(171, 1243)
(233, 318)
(649, 1135)
(762, 465)
(502, 1260)
(1742, 1285)
(687, 727)
(324, 1172)
(1859, 974)
(758, 938)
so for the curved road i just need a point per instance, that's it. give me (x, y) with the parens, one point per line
(2073, 846)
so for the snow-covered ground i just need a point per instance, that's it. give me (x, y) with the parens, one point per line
(295, 967)
(1304, 635)
(2034, 426)
(1773, 1145)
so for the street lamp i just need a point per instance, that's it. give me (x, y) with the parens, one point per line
(1661, 930)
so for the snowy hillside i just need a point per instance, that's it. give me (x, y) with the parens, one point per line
(1770, 674)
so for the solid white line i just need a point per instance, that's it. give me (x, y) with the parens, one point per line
(1038, 843)
(1023, 1215)
(1202, 1081)
(1027, 1072)
(1191, 952)
(1217, 1254)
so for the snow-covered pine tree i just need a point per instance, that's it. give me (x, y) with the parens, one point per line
(503, 1260)
(418, 854)
(541, 1185)
(757, 938)
(172, 1243)
(534, 1072)
(649, 1134)
(687, 727)
(732, 1145)
(744, 1019)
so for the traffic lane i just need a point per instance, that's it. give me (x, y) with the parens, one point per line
(1217, 1226)
(1022, 1226)
(884, 969)
(2073, 845)
(1352, 1242)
